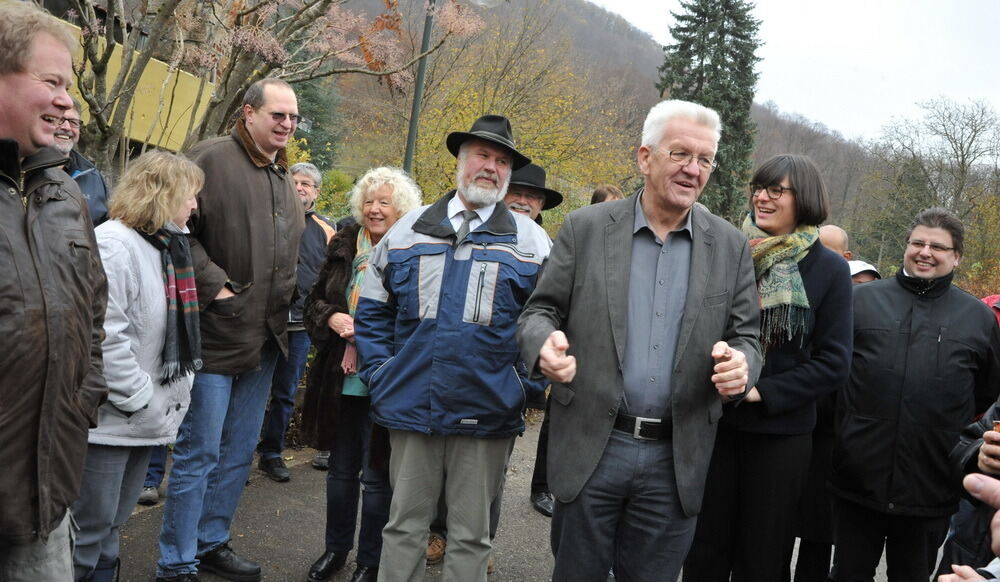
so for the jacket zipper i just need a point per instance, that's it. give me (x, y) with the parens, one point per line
(524, 393)
(515, 250)
(479, 291)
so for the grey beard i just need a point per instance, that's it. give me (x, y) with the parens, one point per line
(64, 147)
(481, 197)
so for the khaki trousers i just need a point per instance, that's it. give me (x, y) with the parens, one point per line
(470, 470)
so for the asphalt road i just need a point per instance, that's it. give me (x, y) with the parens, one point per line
(280, 525)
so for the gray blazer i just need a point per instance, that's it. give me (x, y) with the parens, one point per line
(583, 290)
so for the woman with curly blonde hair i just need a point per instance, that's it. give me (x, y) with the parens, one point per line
(151, 349)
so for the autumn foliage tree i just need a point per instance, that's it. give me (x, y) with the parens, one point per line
(232, 43)
(581, 125)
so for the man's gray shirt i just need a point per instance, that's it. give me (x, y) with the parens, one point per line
(658, 284)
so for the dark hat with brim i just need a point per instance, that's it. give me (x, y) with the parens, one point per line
(491, 128)
(533, 176)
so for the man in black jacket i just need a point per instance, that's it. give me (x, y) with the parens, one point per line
(926, 360)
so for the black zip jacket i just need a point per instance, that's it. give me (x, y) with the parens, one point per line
(923, 366)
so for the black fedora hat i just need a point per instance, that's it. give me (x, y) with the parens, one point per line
(533, 176)
(492, 128)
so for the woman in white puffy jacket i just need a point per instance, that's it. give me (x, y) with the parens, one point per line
(151, 349)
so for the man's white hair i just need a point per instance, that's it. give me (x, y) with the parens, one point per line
(665, 111)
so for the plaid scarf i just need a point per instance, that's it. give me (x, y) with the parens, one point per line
(182, 338)
(784, 304)
(349, 363)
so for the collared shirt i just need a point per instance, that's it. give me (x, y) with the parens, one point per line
(456, 207)
(658, 284)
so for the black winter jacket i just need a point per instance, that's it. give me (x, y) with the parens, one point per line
(923, 367)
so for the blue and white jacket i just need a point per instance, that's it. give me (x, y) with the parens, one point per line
(435, 325)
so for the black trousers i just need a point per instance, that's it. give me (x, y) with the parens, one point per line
(911, 543)
(745, 525)
(540, 475)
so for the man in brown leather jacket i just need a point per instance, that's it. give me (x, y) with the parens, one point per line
(52, 299)
(244, 242)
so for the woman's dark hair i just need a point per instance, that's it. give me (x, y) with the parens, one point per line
(606, 192)
(938, 217)
(812, 204)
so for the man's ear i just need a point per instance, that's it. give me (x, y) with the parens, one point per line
(642, 159)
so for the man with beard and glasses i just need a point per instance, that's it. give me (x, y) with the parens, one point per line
(435, 329)
(83, 171)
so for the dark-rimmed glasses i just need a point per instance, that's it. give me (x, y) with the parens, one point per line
(73, 122)
(774, 191)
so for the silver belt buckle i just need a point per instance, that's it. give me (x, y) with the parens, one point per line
(639, 421)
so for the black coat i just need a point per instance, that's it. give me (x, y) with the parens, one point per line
(325, 380)
(970, 543)
(799, 371)
(923, 366)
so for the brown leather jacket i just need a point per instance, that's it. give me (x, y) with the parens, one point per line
(52, 299)
(245, 235)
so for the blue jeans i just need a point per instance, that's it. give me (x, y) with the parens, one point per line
(112, 482)
(211, 463)
(349, 458)
(157, 464)
(284, 384)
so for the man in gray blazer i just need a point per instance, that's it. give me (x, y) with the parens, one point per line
(645, 319)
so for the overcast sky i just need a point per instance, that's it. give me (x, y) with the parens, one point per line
(853, 65)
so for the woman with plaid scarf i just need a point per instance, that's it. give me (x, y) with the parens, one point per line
(152, 347)
(763, 447)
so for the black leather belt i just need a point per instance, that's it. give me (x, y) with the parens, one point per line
(644, 429)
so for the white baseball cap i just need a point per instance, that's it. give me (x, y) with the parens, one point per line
(861, 267)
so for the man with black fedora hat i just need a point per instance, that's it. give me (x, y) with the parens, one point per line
(528, 195)
(435, 328)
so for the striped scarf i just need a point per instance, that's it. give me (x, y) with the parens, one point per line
(182, 338)
(349, 363)
(784, 305)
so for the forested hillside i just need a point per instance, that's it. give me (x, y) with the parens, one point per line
(576, 82)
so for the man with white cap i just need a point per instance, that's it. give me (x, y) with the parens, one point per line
(862, 272)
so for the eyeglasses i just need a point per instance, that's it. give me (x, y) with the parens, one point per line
(918, 245)
(774, 191)
(74, 123)
(304, 183)
(293, 118)
(684, 158)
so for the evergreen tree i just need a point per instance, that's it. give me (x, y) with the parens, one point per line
(319, 103)
(712, 63)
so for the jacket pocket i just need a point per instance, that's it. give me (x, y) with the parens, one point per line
(562, 393)
(480, 293)
(229, 307)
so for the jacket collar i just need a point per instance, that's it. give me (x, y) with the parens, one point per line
(434, 221)
(242, 136)
(13, 167)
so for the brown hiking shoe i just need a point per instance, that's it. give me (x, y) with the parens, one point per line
(435, 548)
